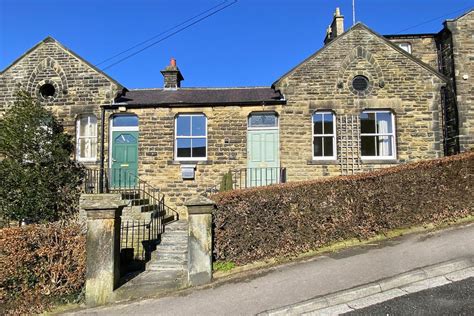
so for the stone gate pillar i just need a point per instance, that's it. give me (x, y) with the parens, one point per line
(200, 240)
(103, 213)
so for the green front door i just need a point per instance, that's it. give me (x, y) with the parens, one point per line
(263, 157)
(124, 159)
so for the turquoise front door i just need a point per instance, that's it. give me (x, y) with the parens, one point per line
(124, 159)
(263, 157)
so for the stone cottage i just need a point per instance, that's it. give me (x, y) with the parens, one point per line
(364, 101)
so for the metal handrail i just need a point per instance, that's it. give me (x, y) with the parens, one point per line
(255, 177)
(129, 184)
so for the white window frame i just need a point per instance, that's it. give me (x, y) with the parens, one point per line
(333, 135)
(176, 137)
(392, 134)
(408, 45)
(277, 126)
(79, 137)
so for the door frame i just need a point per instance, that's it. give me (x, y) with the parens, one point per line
(273, 128)
(113, 129)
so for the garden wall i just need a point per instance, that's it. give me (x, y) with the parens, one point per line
(292, 218)
(40, 265)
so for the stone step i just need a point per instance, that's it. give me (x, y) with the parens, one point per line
(174, 242)
(151, 283)
(175, 233)
(167, 256)
(139, 202)
(168, 219)
(172, 248)
(176, 227)
(130, 195)
(166, 240)
(166, 266)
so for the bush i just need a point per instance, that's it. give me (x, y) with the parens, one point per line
(296, 217)
(226, 183)
(38, 180)
(40, 265)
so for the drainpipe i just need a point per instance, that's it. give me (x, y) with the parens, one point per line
(102, 156)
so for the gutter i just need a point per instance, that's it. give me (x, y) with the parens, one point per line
(181, 104)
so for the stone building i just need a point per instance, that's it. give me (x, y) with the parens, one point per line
(364, 101)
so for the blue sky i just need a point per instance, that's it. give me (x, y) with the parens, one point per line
(251, 43)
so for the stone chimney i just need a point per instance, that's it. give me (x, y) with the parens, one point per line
(336, 28)
(172, 76)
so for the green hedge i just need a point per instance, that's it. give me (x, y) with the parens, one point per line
(292, 218)
(41, 265)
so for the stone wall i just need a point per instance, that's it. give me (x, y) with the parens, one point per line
(397, 82)
(79, 88)
(463, 52)
(323, 81)
(227, 148)
(423, 47)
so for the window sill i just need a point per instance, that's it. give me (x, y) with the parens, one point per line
(88, 162)
(380, 161)
(190, 162)
(322, 162)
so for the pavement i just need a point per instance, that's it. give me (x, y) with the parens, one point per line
(288, 285)
(380, 291)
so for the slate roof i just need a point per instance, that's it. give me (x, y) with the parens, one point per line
(201, 96)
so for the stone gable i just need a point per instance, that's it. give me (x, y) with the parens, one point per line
(79, 88)
(397, 82)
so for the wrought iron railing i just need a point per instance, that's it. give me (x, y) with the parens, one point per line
(138, 238)
(92, 182)
(256, 177)
(122, 181)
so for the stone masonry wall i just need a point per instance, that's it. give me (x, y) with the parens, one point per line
(323, 82)
(227, 148)
(79, 88)
(423, 47)
(463, 52)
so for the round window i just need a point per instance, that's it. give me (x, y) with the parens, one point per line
(47, 90)
(360, 83)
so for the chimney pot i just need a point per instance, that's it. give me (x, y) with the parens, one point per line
(172, 76)
(336, 27)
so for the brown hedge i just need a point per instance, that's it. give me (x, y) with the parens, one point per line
(292, 218)
(40, 265)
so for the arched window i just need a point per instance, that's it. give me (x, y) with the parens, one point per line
(324, 135)
(86, 140)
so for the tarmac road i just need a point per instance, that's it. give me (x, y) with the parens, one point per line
(456, 298)
(291, 283)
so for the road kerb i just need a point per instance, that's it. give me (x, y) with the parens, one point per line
(460, 275)
(382, 290)
(425, 284)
